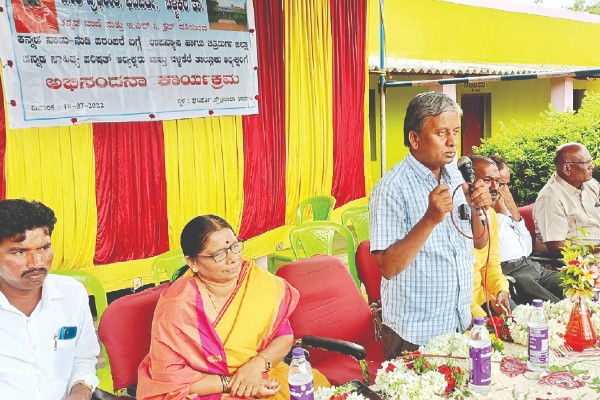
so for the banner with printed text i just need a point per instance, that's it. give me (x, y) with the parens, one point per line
(75, 61)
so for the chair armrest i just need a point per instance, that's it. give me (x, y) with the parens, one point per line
(544, 260)
(353, 350)
(100, 394)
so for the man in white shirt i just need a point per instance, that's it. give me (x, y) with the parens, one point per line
(568, 202)
(48, 345)
(533, 281)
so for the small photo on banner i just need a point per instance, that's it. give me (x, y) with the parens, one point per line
(227, 15)
(35, 16)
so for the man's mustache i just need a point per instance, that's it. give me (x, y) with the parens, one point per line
(34, 271)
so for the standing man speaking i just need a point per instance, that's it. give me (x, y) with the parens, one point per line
(427, 264)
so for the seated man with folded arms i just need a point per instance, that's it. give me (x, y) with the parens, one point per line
(569, 201)
(489, 283)
(48, 345)
(532, 280)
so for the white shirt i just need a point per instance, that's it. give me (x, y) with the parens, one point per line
(34, 363)
(515, 239)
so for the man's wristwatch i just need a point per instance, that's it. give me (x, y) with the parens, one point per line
(84, 383)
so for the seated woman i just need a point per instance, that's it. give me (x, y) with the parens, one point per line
(222, 330)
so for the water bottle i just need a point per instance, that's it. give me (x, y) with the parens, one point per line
(300, 377)
(480, 353)
(537, 338)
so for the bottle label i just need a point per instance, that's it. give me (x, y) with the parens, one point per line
(302, 392)
(481, 365)
(538, 345)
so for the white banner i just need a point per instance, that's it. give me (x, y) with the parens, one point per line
(75, 61)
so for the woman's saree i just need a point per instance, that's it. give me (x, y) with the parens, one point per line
(186, 346)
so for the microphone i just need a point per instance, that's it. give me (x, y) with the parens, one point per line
(465, 166)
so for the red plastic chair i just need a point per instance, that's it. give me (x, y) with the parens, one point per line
(368, 271)
(369, 274)
(527, 215)
(332, 307)
(125, 330)
(544, 259)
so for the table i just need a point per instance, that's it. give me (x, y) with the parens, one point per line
(579, 378)
(571, 376)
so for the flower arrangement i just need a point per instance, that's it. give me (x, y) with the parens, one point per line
(344, 392)
(438, 371)
(580, 275)
(558, 318)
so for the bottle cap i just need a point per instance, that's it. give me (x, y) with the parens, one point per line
(479, 321)
(538, 303)
(298, 352)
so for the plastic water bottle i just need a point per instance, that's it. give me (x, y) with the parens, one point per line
(537, 338)
(480, 353)
(300, 377)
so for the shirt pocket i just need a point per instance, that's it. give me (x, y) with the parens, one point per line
(64, 354)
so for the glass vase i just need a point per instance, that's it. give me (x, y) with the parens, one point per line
(580, 333)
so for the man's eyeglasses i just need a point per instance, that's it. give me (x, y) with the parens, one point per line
(221, 255)
(586, 163)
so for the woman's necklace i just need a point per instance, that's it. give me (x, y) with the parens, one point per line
(212, 300)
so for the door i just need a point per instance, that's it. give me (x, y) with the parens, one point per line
(473, 106)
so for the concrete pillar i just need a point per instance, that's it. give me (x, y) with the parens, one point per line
(561, 93)
(450, 90)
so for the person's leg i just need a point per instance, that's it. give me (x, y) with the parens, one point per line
(529, 280)
(551, 281)
(394, 345)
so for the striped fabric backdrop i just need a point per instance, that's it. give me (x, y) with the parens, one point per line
(123, 191)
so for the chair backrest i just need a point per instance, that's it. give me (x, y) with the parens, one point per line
(359, 218)
(527, 215)
(317, 237)
(91, 283)
(125, 330)
(368, 271)
(169, 263)
(321, 208)
(330, 304)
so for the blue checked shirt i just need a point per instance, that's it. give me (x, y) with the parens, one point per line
(433, 295)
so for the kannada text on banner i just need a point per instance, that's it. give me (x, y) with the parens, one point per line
(73, 61)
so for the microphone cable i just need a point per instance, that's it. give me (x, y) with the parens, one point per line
(486, 228)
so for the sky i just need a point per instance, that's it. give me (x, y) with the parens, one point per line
(549, 3)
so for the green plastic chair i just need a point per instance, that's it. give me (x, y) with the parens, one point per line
(169, 263)
(321, 209)
(93, 285)
(358, 216)
(317, 237)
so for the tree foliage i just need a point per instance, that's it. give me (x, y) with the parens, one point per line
(529, 148)
(592, 7)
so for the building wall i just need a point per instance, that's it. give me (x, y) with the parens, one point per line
(444, 31)
(440, 30)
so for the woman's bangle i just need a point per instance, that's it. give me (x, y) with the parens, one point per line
(268, 364)
(225, 383)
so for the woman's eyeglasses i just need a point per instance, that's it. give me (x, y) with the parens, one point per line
(221, 255)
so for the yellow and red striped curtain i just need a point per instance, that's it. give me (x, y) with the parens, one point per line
(123, 191)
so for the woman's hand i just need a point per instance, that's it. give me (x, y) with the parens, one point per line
(248, 380)
(269, 389)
